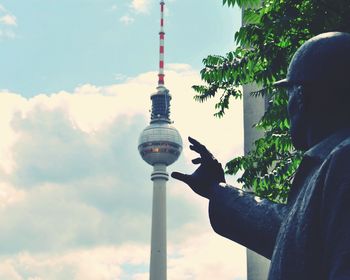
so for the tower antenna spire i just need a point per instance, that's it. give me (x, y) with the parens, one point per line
(161, 45)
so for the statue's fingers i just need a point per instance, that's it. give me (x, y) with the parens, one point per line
(193, 141)
(193, 148)
(203, 152)
(181, 177)
(196, 144)
(197, 161)
(199, 148)
(196, 149)
(217, 164)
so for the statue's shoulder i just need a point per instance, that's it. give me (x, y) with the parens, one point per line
(338, 162)
(342, 149)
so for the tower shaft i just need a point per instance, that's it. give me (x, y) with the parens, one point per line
(158, 265)
(161, 45)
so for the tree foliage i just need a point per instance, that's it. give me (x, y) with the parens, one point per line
(273, 31)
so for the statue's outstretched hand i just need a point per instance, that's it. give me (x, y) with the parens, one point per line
(207, 176)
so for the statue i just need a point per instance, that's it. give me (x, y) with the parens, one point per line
(309, 237)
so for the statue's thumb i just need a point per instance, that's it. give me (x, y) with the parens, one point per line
(182, 177)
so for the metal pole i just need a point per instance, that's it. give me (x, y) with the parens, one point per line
(161, 45)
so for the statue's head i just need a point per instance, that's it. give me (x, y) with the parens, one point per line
(318, 83)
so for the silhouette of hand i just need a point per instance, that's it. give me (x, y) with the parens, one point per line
(207, 176)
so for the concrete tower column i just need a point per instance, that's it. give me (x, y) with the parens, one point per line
(158, 263)
(253, 108)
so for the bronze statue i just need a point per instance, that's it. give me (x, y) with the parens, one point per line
(309, 237)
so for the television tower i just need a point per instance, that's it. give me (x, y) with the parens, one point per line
(160, 145)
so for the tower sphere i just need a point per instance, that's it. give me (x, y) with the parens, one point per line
(160, 143)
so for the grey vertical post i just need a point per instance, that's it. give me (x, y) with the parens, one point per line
(253, 110)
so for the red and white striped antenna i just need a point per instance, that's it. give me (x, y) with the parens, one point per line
(161, 47)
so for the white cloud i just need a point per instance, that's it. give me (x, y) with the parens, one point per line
(7, 34)
(101, 263)
(126, 20)
(74, 191)
(10, 195)
(198, 257)
(140, 6)
(205, 257)
(10, 105)
(120, 77)
(179, 67)
(8, 20)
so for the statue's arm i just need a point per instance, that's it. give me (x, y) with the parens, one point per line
(245, 219)
(234, 214)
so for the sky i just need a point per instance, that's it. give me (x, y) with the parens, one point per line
(75, 82)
